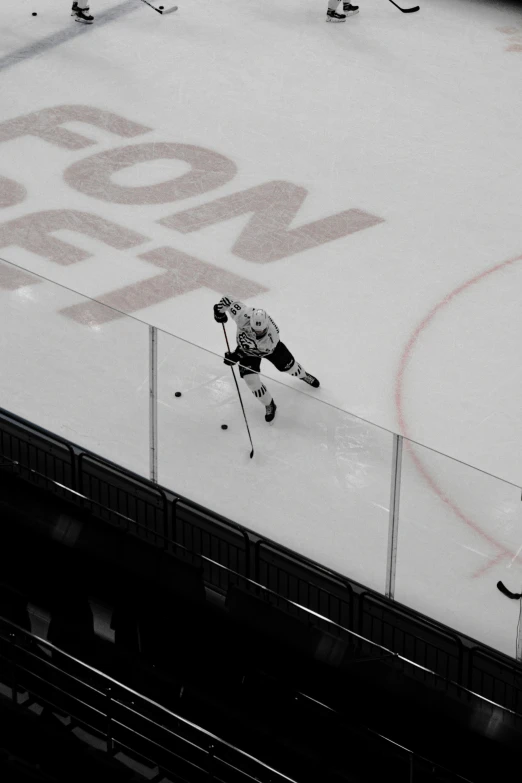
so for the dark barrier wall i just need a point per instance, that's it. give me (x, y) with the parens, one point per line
(224, 549)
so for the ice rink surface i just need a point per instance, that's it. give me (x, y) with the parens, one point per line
(360, 181)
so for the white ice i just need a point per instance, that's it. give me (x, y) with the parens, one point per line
(413, 324)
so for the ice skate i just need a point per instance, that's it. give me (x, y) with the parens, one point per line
(311, 380)
(350, 9)
(333, 16)
(270, 412)
(81, 14)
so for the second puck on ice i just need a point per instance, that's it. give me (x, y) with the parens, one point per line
(177, 394)
(224, 426)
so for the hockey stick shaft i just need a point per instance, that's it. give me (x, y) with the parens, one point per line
(151, 6)
(168, 11)
(239, 394)
(406, 10)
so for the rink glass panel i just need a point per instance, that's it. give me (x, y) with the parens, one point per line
(87, 383)
(318, 483)
(460, 532)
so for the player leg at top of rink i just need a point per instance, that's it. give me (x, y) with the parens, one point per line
(333, 16)
(80, 11)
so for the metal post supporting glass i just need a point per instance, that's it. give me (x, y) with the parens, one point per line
(393, 529)
(153, 403)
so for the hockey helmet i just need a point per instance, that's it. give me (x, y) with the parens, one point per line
(259, 323)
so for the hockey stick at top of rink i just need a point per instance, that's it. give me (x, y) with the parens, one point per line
(406, 10)
(503, 589)
(161, 9)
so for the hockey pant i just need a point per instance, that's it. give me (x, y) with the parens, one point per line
(281, 358)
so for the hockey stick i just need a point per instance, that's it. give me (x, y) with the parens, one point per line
(239, 393)
(406, 10)
(503, 589)
(161, 9)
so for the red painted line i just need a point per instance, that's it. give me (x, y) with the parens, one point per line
(406, 356)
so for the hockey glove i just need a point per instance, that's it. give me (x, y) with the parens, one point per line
(219, 315)
(232, 357)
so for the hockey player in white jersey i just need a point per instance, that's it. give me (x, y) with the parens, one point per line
(258, 338)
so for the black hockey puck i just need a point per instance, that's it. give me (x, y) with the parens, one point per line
(224, 426)
(161, 7)
(34, 13)
(177, 394)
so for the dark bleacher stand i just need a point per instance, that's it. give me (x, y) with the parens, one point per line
(40, 748)
(13, 606)
(258, 669)
(290, 633)
(71, 627)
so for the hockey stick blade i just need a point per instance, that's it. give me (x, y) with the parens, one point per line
(406, 10)
(170, 10)
(503, 589)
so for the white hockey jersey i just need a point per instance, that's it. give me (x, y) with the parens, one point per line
(247, 341)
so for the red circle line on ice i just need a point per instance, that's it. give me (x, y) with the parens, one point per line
(502, 551)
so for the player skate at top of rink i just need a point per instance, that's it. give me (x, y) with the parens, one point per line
(80, 11)
(258, 338)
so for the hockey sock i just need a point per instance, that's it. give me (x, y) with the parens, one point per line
(258, 388)
(296, 370)
(332, 5)
(83, 5)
